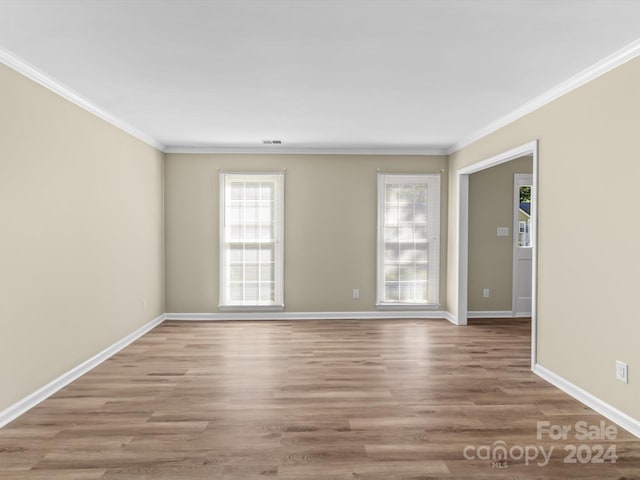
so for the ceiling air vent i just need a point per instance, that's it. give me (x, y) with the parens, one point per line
(272, 142)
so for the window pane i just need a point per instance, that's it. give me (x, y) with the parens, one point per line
(406, 213)
(251, 191)
(266, 253)
(251, 272)
(421, 254)
(406, 273)
(235, 233)
(251, 214)
(391, 253)
(420, 213)
(405, 194)
(250, 234)
(391, 234)
(237, 191)
(391, 273)
(421, 272)
(407, 254)
(266, 292)
(251, 292)
(524, 217)
(265, 214)
(234, 215)
(266, 272)
(391, 215)
(406, 292)
(236, 292)
(266, 233)
(392, 193)
(235, 254)
(391, 292)
(236, 273)
(420, 233)
(251, 255)
(266, 191)
(419, 193)
(405, 234)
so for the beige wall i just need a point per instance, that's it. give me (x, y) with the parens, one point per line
(490, 256)
(588, 254)
(330, 226)
(81, 244)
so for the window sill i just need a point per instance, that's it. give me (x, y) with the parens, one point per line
(407, 306)
(250, 308)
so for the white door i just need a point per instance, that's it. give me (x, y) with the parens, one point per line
(522, 244)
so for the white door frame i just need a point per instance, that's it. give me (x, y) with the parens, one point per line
(462, 180)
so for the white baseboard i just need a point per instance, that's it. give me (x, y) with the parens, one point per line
(492, 314)
(21, 406)
(451, 317)
(630, 424)
(308, 315)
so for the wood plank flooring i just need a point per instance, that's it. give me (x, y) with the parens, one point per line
(334, 400)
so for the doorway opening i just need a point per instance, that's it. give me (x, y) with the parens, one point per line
(462, 177)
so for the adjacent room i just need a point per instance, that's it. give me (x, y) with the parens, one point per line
(318, 240)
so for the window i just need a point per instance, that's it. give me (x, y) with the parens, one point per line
(408, 240)
(524, 215)
(251, 246)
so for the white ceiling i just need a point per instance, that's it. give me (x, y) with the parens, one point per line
(317, 74)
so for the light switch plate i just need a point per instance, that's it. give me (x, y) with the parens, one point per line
(503, 231)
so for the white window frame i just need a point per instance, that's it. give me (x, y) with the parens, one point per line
(225, 302)
(433, 182)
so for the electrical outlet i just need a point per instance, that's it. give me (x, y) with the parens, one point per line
(356, 293)
(485, 293)
(622, 371)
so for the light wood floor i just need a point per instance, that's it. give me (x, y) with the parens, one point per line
(379, 400)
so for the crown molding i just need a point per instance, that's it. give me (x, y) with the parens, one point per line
(16, 63)
(271, 150)
(600, 68)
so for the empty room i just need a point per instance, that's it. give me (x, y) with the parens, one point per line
(319, 240)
